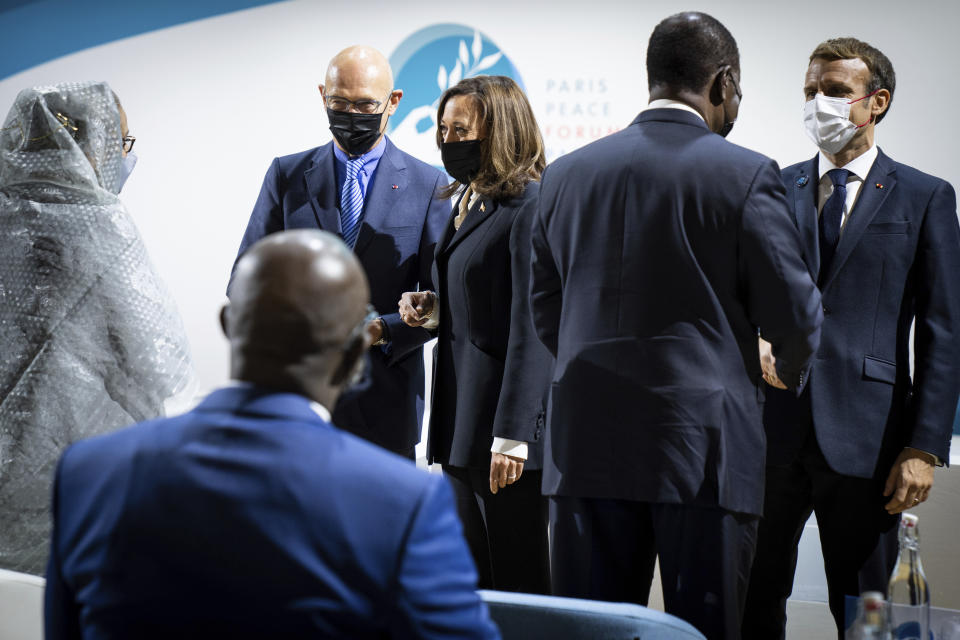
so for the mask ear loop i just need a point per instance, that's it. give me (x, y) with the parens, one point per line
(860, 126)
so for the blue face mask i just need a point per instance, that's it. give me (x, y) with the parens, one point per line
(129, 162)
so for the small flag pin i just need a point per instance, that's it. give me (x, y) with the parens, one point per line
(801, 181)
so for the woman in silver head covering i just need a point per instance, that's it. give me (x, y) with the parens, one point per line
(91, 340)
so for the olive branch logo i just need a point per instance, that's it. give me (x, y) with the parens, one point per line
(469, 63)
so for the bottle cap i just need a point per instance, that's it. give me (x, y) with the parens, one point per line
(909, 520)
(872, 601)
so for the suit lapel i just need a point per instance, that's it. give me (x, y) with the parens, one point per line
(321, 181)
(805, 210)
(481, 210)
(388, 185)
(869, 201)
(448, 230)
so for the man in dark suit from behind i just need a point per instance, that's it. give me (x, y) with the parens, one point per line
(253, 516)
(658, 252)
(859, 446)
(382, 202)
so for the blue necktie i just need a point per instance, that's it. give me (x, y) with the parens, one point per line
(830, 218)
(351, 203)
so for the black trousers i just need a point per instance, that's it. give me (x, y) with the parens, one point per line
(605, 550)
(857, 536)
(506, 532)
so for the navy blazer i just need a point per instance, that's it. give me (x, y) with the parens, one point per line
(898, 259)
(252, 517)
(492, 374)
(402, 220)
(658, 251)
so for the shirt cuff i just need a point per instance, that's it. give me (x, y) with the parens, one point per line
(937, 462)
(509, 447)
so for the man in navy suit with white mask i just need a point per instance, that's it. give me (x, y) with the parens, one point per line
(658, 251)
(859, 446)
(382, 202)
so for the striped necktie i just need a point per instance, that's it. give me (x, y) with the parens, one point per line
(351, 203)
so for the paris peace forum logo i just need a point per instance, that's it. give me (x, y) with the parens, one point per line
(428, 63)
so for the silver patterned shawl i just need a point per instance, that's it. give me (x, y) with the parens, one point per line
(90, 339)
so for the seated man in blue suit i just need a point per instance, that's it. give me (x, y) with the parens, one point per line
(381, 201)
(252, 516)
(860, 444)
(658, 251)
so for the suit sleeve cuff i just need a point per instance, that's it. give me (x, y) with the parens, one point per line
(509, 447)
(932, 458)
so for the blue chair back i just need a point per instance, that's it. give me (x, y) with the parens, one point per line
(524, 616)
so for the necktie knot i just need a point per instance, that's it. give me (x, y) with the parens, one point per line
(838, 177)
(353, 168)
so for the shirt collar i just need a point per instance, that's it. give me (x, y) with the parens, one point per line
(369, 158)
(859, 166)
(666, 103)
(316, 407)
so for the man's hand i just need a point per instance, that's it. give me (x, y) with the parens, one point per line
(375, 330)
(504, 470)
(416, 307)
(769, 365)
(910, 480)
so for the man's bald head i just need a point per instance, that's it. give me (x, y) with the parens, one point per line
(359, 79)
(356, 66)
(296, 298)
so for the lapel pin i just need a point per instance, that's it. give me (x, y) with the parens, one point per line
(393, 186)
(802, 181)
(879, 186)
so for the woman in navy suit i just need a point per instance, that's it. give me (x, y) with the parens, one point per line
(491, 373)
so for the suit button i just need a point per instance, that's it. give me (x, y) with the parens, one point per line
(826, 310)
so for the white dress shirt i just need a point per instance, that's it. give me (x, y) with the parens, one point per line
(859, 167)
(666, 103)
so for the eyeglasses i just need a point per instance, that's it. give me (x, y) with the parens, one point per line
(362, 106)
(358, 330)
(128, 143)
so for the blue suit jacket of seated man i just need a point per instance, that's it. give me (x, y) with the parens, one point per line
(251, 516)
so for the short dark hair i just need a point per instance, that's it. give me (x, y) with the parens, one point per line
(882, 75)
(512, 153)
(687, 49)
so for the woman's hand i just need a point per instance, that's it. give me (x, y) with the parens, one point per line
(416, 307)
(504, 470)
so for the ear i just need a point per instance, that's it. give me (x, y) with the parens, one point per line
(395, 98)
(323, 93)
(223, 320)
(881, 102)
(718, 86)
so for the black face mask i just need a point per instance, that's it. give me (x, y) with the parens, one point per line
(355, 132)
(728, 124)
(462, 159)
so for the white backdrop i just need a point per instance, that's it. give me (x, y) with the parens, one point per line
(212, 102)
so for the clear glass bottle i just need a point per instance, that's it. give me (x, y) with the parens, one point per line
(908, 593)
(871, 622)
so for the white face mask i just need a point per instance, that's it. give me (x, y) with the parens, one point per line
(129, 162)
(827, 121)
